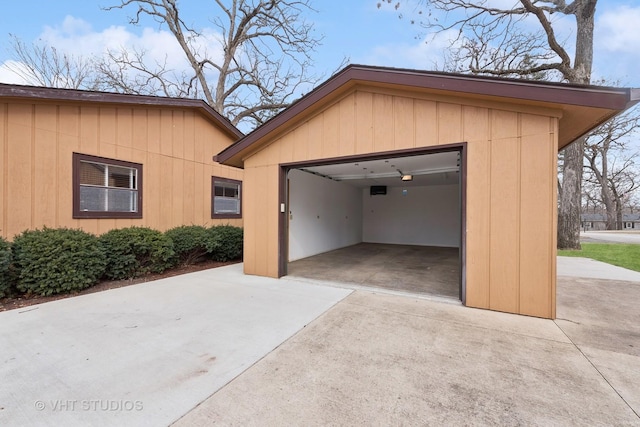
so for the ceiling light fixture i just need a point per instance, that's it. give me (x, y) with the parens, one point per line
(405, 177)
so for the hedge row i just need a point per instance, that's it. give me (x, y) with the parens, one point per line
(52, 261)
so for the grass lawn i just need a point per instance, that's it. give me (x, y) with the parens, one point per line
(622, 255)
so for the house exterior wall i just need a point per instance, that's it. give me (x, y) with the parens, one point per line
(174, 145)
(511, 183)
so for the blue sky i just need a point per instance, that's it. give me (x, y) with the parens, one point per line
(355, 29)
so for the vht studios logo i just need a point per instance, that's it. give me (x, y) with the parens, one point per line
(105, 405)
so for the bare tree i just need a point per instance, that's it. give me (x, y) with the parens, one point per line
(39, 64)
(261, 60)
(493, 40)
(610, 165)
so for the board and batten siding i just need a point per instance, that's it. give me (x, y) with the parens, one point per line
(510, 195)
(175, 147)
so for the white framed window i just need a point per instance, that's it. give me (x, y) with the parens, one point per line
(106, 188)
(226, 198)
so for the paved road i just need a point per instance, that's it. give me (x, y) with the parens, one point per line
(611, 236)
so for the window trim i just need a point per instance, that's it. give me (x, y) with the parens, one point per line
(77, 213)
(214, 215)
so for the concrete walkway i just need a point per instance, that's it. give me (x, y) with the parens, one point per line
(199, 349)
(590, 268)
(145, 354)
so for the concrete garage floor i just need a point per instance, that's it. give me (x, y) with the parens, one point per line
(425, 270)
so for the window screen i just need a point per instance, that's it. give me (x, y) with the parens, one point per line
(226, 198)
(105, 186)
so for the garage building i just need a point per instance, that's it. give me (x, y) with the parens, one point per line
(418, 170)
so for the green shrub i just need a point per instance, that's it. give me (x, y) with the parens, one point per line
(5, 265)
(135, 251)
(225, 242)
(189, 243)
(52, 261)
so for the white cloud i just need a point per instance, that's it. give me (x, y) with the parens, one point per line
(616, 40)
(77, 37)
(7, 75)
(617, 30)
(427, 53)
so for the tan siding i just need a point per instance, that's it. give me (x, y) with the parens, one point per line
(189, 195)
(178, 135)
(300, 145)
(476, 132)
(188, 134)
(153, 131)
(316, 140)
(347, 126)
(403, 114)
(364, 122)
(286, 146)
(40, 139)
(70, 129)
(107, 132)
(202, 190)
(177, 184)
(330, 132)
(89, 129)
(537, 177)
(152, 194)
(166, 132)
(272, 214)
(553, 158)
(426, 120)
(251, 216)
(449, 123)
(165, 177)
(124, 128)
(261, 229)
(510, 185)
(505, 195)
(45, 185)
(19, 182)
(383, 123)
(3, 168)
(140, 129)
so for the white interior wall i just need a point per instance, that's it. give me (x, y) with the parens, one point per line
(426, 216)
(323, 215)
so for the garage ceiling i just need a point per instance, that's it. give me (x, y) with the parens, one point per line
(426, 169)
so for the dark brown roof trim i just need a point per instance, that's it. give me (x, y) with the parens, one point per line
(74, 95)
(557, 93)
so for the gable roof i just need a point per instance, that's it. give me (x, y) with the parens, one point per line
(583, 107)
(8, 91)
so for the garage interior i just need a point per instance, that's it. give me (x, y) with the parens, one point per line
(391, 223)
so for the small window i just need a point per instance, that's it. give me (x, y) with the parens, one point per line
(226, 198)
(106, 188)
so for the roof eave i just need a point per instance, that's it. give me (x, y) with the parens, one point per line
(74, 95)
(615, 99)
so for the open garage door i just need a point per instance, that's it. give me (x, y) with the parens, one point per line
(393, 222)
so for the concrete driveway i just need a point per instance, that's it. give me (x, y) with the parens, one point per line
(197, 350)
(145, 354)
